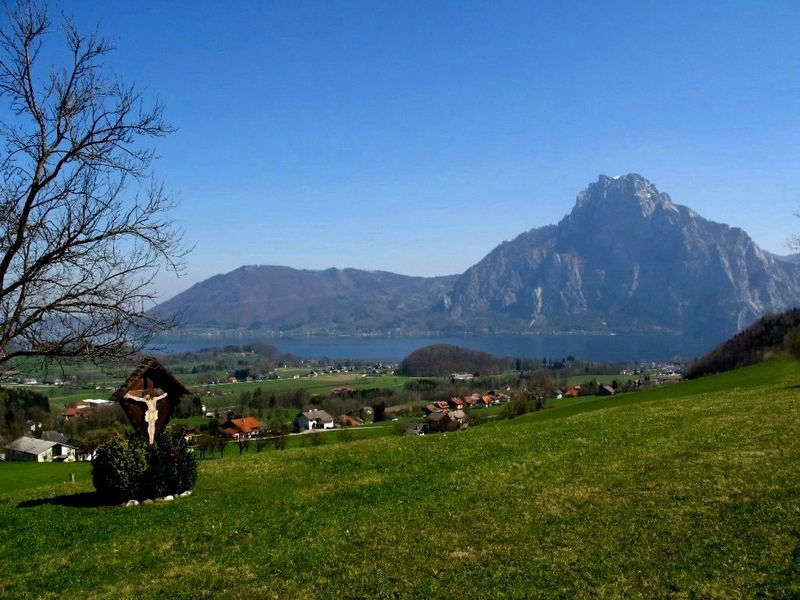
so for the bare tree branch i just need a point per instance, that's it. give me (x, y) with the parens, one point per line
(83, 227)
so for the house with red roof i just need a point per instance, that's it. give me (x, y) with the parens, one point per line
(455, 403)
(243, 428)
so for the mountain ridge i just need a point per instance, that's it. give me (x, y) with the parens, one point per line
(625, 259)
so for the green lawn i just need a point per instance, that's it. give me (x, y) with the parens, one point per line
(321, 385)
(23, 476)
(687, 491)
(315, 385)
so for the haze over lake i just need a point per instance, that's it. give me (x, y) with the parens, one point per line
(590, 347)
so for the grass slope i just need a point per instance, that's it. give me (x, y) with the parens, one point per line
(691, 491)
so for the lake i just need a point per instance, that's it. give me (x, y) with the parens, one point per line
(612, 348)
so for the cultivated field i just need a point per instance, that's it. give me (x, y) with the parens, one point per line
(691, 490)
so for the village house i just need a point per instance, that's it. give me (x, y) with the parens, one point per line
(462, 376)
(29, 449)
(437, 421)
(348, 421)
(472, 400)
(243, 428)
(414, 429)
(313, 419)
(189, 431)
(54, 436)
(606, 390)
(459, 417)
(484, 402)
(455, 403)
(71, 412)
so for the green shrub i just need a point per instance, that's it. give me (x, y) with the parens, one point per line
(125, 467)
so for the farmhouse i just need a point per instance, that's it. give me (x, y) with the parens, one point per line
(54, 436)
(348, 421)
(438, 421)
(33, 450)
(313, 419)
(243, 428)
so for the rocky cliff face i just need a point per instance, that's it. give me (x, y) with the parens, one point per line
(626, 259)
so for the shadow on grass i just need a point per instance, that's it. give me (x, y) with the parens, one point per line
(82, 500)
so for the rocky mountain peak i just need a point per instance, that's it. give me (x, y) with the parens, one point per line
(623, 194)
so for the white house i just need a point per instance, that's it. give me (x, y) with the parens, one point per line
(313, 419)
(33, 450)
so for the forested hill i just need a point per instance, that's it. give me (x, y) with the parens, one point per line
(334, 301)
(769, 335)
(443, 359)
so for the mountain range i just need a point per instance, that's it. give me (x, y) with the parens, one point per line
(625, 259)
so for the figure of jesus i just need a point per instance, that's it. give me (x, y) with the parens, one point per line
(151, 415)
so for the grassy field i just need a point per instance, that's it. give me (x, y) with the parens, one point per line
(321, 385)
(689, 491)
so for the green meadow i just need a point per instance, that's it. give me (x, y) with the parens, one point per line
(321, 385)
(688, 491)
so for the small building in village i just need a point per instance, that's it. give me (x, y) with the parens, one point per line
(455, 403)
(243, 428)
(55, 436)
(438, 421)
(27, 449)
(348, 421)
(458, 416)
(313, 419)
(414, 429)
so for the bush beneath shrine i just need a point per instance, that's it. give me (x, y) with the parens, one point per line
(126, 468)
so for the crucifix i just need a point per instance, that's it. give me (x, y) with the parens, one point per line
(149, 398)
(151, 414)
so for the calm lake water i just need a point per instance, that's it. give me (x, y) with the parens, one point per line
(590, 347)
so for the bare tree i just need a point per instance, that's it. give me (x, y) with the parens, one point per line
(83, 227)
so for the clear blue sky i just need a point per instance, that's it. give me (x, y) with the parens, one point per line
(415, 136)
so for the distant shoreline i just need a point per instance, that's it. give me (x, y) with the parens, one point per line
(588, 346)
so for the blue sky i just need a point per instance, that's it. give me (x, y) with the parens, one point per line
(415, 136)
